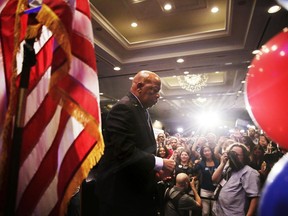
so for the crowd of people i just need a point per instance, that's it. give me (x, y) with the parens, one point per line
(228, 172)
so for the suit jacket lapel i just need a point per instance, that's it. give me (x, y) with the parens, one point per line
(142, 112)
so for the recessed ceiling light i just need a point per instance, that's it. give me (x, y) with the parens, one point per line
(217, 72)
(228, 63)
(214, 9)
(134, 24)
(117, 68)
(274, 9)
(131, 78)
(100, 93)
(180, 60)
(243, 81)
(167, 7)
(186, 72)
(137, 1)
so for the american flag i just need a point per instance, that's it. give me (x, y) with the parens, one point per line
(62, 137)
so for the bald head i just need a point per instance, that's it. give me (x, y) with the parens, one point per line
(146, 86)
(145, 76)
(182, 180)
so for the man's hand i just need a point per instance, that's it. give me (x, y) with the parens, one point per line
(168, 164)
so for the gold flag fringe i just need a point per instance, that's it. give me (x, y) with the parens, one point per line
(48, 18)
(67, 103)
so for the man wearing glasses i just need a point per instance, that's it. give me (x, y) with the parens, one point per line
(238, 187)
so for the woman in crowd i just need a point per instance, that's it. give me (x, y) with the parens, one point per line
(264, 141)
(257, 157)
(163, 152)
(272, 153)
(258, 163)
(184, 165)
(248, 142)
(195, 150)
(206, 167)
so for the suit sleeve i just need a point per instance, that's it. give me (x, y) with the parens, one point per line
(128, 138)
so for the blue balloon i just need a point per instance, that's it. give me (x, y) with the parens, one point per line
(274, 198)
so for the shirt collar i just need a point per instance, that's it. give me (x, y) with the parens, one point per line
(138, 100)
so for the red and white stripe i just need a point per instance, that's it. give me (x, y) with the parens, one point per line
(3, 95)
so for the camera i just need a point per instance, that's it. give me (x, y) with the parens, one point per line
(234, 161)
(232, 155)
(192, 177)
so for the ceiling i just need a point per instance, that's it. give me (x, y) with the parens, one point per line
(218, 45)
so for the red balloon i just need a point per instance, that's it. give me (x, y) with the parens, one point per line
(266, 89)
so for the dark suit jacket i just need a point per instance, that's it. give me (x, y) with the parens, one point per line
(126, 177)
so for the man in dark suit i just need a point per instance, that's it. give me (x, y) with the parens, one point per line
(126, 182)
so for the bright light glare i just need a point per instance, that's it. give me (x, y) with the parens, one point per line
(134, 24)
(179, 130)
(215, 10)
(167, 7)
(209, 119)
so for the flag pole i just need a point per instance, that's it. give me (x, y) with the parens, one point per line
(29, 60)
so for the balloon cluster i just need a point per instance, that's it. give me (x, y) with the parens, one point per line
(266, 100)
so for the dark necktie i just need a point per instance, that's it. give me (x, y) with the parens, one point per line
(148, 119)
